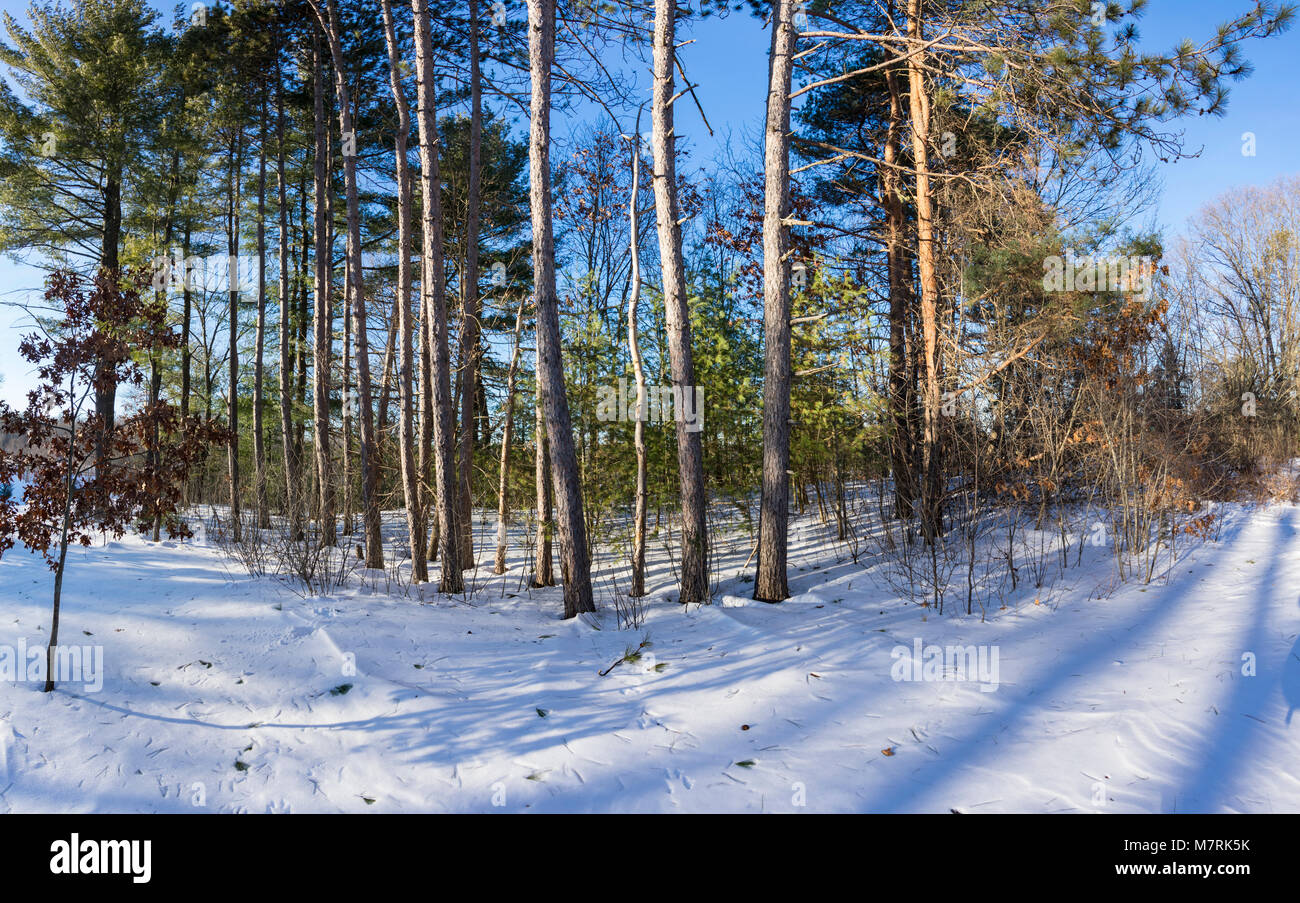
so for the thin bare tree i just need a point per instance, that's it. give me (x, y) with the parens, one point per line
(232, 324)
(637, 588)
(543, 561)
(575, 566)
(433, 289)
(322, 326)
(369, 463)
(507, 434)
(470, 303)
(259, 347)
(405, 328)
(292, 481)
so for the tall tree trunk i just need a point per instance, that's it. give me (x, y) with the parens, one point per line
(637, 589)
(105, 383)
(543, 563)
(350, 406)
(155, 365)
(574, 562)
(770, 581)
(485, 432)
(435, 300)
(187, 315)
(386, 375)
(919, 109)
(289, 456)
(405, 385)
(470, 304)
(208, 382)
(322, 327)
(424, 445)
(232, 278)
(690, 452)
(112, 235)
(155, 440)
(900, 308)
(374, 557)
(300, 346)
(259, 432)
(507, 434)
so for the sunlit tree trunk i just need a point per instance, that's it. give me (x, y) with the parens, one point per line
(574, 561)
(543, 565)
(690, 452)
(507, 434)
(405, 387)
(900, 447)
(919, 110)
(434, 291)
(259, 351)
(292, 480)
(637, 588)
(470, 305)
(374, 549)
(770, 582)
(187, 319)
(232, 324)
(301, 388)
(349, 408)
(424, 437)
(322, 327)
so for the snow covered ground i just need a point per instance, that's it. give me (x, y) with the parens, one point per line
(223, 692)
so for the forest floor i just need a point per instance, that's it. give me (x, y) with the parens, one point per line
(225, 692)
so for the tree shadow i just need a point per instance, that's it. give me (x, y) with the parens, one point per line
(980, 743)
(1240, 723)
(1291, 680)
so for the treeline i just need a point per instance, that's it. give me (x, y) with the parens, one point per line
(379, 259)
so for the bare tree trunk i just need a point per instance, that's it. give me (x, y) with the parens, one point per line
(105, 380)
(574, 563)
(770, 581)
(690, 452)
(155, 437)
(349, 406)
(543, 566)
(386, 375)
(322, 327)
(507, 433)
(259, 432)
(305, 485)
(900, 447)
(470, 305)
(369, 464)
(187, 315)
(71, 470)
(155, 365)
(919, 108)
(424, 445)
(637, 589)
(434, 291)
(232, 287)
(292, 481)
(405, 387)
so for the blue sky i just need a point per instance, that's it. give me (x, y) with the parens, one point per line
(728, 60)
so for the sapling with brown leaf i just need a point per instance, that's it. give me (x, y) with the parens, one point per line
(73, 489)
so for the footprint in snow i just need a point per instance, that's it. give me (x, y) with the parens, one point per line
(296, 633)
(675, 775)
